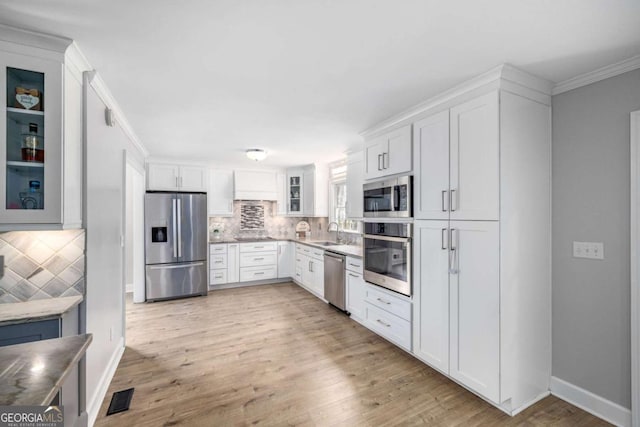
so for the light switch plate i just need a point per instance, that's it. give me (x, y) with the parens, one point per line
(589, 250)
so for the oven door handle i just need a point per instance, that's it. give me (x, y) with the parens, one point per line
(388, 238)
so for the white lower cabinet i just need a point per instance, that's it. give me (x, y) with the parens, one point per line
(223, 263)
(248, 274)
(309, 268)
(233, 265)
(218, 264)
(285, 259)
(458, 320)
(355, 289)
(258, 261)
(388, 314)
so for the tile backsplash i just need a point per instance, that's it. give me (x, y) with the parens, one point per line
(42, 264)
(272, 225)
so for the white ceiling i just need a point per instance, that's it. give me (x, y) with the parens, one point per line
(205, 79)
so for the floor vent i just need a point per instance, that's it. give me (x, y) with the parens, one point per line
(120, 401)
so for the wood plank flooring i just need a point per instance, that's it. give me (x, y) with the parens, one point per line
(274, 355)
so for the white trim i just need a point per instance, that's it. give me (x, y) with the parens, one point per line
(532, 402)
(594, 404)
(504, 71)
(107, 98)
(34, 39)
(602, 73)
(76, 62)
(103, 385)
(635, 266)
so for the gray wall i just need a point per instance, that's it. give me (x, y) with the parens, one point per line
(591, 312)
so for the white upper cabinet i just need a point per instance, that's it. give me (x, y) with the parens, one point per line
(308, 190)
(162, 177)
(315, 200)
(173, 177)
(431, 166)
(355, 179)
(475, 159)
(389, 154)
(40, 131)
(193, 178)
(456, 162)
(220, 194)
(294, 191)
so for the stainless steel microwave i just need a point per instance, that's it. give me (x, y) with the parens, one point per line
(389, 198)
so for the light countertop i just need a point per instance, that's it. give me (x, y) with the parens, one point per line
(30, 311)
(32, 373)
(349, 250)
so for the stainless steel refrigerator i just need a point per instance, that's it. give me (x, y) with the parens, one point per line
(176, 234)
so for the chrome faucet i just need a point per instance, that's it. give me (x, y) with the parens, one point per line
(337, 230)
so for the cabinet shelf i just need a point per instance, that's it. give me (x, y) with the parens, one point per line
(23, 111)
(25, 164)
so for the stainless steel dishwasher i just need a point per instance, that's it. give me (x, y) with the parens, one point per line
(334, 280)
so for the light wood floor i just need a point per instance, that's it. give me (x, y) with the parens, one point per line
(275, 355)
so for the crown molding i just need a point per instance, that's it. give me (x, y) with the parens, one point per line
(76, 62)
(602, 73)
(504, 72)
(95, 80)
(34, 39)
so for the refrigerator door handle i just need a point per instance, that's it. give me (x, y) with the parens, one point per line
(175, 228)
(173, 267)
(179, 227)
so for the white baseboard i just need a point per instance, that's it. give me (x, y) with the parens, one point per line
(103, 385)
(524, 406)
(128, 288)
(594, 404)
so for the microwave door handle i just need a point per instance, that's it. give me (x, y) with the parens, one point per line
(395, 198)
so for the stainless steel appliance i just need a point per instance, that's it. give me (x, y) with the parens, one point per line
(387, 255)
(176, 233)
(334, 279)
(389, 198)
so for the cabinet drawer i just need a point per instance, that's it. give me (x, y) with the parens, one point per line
(310, 251)
(248, 274)
(253, 259)
(218, 249)
(388, 302)
(258, 247)
(354, 264)
(388, 326)
(317, 253)
(303, 249)
(217, 261)
(218, 277)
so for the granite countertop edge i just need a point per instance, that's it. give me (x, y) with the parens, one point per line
(61, 354)
(349, 250)
(33, 311)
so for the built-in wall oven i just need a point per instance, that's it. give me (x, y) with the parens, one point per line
(388, 198)
(387, 255)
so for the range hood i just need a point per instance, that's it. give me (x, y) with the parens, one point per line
(254, 185)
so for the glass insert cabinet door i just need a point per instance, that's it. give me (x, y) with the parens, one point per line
(31, 142)
(295, 193)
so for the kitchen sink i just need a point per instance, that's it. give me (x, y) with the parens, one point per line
(326, 243)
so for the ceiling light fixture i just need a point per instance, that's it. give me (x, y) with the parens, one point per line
(256, 154)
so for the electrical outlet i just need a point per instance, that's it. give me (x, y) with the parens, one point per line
(589, 250)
